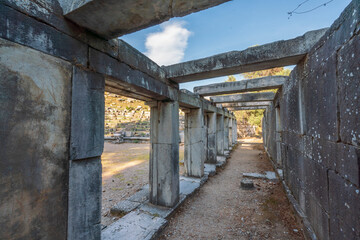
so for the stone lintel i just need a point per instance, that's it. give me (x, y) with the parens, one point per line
(270, 82)
(248, 108)
(245, 97)
(111, 19)
(276, 54)
(245, 104)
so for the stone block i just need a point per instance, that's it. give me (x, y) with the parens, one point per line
(132, 79)
(164, 174)
(84, 214)
(346, 162)
(344, 201)
(123, 207)
(140, 196)
(35, 95)
(317, 216)
(349, 91)
(87, 115)
(188, 187)
(210, 169)
(136, 226)
(316, 182)
(20, 28)
(320, 97)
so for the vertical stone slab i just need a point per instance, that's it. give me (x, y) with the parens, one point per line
(35, 94)
(226, 133)
(220, 134)
(235, 131)
(85, 199)
(87, 115)
(86, 146)
(211, 139)
(194, 156)
(164, 153)
(230, 132)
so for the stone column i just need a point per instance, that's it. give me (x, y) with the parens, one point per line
(194, 156)
(86, 147)
(226, 133)
(235, 131)
(211, 138)
(220, 134)
(230, 132)
(164, 153)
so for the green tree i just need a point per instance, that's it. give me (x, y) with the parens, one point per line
(253, 117)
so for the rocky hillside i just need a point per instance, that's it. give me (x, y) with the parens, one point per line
(128, 116)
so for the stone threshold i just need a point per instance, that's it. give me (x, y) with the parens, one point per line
(145, 221)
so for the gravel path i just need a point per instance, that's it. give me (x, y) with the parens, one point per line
(222, 210)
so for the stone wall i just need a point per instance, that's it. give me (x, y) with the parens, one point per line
(320, 130)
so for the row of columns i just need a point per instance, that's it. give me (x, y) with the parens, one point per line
(207, 135)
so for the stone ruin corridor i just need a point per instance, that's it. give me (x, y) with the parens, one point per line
(57, 59)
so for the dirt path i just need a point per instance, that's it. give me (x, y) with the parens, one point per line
(222, 210)
(125, 169)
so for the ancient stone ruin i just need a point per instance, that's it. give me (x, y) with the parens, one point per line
(58, 57)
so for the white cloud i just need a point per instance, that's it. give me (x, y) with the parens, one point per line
(168, 46)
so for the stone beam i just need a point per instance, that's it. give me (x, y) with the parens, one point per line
(113, 18)
(276, 54)
(257, 84)
(245, 104)
(245, 97)
(247, 108)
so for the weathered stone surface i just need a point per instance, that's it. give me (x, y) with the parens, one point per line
(320, 92)
(271, 82)
(164, 154)
(189, 100)
(40, 36)
(220, 134)
(245, 97)
(84, 214)
(135, 225)
(246, 104)
(277, 54)
(111, 19)
(349, 91)
(246, 184)
(87, 115)
(133, 80)
(211, 138)
(226, 135)
(188, 186)
(35, 93)
(246, 108)
(194, 153)
(344, 206)
(210, 169)
(124, 207)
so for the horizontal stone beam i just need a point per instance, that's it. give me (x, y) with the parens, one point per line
(249, 85)
(113, 18)
(245, 104)
(247, 108)
(276, 54)
(245, 97)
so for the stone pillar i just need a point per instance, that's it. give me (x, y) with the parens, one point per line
(164, 153)
(211, 138)
(194, 156)
(86, 147)
(235, 131)
(226, 133)
(220, 134)
(230, 132)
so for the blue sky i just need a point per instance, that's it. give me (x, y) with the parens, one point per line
(235, 25)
